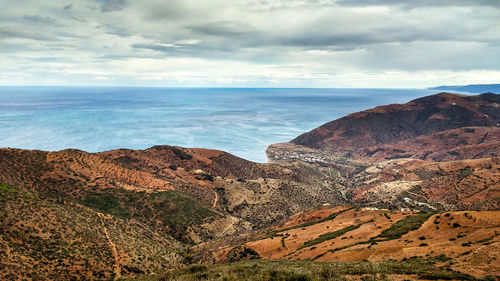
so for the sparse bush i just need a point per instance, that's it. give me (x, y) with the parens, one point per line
(195, 268)
(181, 154)
(445, 275)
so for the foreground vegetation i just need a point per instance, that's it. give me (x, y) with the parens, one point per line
(285, 270)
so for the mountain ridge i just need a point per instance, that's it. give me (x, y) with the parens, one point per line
(473, 88)
(396, 122)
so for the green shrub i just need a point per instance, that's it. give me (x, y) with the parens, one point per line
(104, 202)
(404, 226)
(181, 154)
(195, 268)
(329, 236)
(445, 275)
(5, 189)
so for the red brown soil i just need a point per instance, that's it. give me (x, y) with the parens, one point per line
(397, 122)
(457, 144)
(470, 238)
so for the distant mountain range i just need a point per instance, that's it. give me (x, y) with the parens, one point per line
(476, 88)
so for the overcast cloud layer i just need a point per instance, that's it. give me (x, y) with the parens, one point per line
(288, 43)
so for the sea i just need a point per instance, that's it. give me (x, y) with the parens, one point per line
(240, 121)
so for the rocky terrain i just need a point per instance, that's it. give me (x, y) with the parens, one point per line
(416, 185)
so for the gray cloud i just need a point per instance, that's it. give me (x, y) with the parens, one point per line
(224, 28)
(313, 42)
(21, 32)
(36, 19)
(190, 50)
(113, 5)
(167, 10)
(115, 30)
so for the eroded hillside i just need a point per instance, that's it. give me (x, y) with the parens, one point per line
(466, 241)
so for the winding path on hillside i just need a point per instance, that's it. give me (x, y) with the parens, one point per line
(116, 257)
(215, 199)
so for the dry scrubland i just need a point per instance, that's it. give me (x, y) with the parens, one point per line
(398, 192)
(467, 242)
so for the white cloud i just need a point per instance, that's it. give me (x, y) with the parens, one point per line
(249, 43)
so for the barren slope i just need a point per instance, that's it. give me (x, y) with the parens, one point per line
(396, 122)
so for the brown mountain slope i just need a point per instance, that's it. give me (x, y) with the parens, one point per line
(258, 193)
(456, 144)
(464, 241)
(238, 190)
(108, 186)
(397, 122)
(44, 240)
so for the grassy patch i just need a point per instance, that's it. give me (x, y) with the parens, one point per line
(5, 189)
(8, 192)
(105, 203)
(286, 270)
(445, 275)
(179, 211)
(465, 172)
(404, 226)
(329, 236)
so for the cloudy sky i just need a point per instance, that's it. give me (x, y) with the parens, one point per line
(243, 43)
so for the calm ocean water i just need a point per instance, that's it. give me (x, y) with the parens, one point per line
(241, 121)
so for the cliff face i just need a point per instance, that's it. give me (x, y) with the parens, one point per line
(397, 122)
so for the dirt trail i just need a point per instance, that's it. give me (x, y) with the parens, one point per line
(215, 199)
(117, 268)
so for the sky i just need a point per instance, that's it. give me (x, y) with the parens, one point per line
(240, 43)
